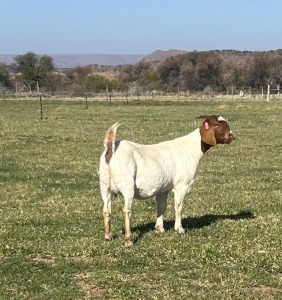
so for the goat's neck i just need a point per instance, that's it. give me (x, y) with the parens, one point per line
(192, 143)
(205, 147)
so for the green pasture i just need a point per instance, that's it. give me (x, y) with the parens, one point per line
(51, 227)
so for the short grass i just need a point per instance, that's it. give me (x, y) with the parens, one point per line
(51, 228)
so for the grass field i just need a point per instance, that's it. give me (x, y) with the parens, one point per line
(51, 227)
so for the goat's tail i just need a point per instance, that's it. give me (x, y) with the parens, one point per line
(109, 141)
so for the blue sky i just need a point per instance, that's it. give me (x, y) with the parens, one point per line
(138, 27)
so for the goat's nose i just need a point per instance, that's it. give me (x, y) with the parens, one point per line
(232, 136)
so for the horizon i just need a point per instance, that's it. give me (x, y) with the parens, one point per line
(85, 59)
(92, 53)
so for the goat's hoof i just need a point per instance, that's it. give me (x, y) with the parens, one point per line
(108, 237)
(159, 229)
(180, 230)
(128, 243)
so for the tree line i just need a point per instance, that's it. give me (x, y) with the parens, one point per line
(192, 71)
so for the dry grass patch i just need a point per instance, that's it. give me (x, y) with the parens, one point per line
(46, 260)
(90, 290)
(264, 292)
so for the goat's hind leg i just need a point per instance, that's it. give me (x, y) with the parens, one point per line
(127, 214)
(107, 199)
(105, 181)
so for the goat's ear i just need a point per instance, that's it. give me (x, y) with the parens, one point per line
(207, 133)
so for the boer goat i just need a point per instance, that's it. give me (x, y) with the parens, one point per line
(144, 171)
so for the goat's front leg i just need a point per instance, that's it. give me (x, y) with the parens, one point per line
(127, 215)
(161, 208)
(179, 195)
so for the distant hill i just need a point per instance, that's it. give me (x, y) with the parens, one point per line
(160, 55)
(74, 60)
(112, 60)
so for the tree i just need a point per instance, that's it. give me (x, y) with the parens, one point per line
(169, 70)
(150, 80)
(34, 69)
(5, 81)
(45, 66)
(201, 69)
(127, 75)
(265, 69)
(99, 83)
(130, 74)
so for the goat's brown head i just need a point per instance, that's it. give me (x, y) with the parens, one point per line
(215, 130)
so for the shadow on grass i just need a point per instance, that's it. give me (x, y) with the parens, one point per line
(192, 223)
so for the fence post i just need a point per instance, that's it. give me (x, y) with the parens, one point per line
(16, 90)
(110, 96)
(86, 101)
(107, 93)
(178, 92)
(41, 106)
(232, 90)
(268, 92)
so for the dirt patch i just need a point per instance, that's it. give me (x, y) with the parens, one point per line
(241, 105)
(90, 290)
(85, 258)
(224, 106)
(202, 283)
(266, 291)
(46, 260)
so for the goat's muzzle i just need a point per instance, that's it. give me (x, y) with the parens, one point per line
(231, 137)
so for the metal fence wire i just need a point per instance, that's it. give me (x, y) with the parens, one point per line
(142, 94)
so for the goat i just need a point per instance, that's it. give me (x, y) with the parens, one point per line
(144, 171)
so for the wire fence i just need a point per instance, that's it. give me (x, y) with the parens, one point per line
(141, 94)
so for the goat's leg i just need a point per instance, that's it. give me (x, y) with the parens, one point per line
(161, 208)
(127, 215)
(179, 195)
(107, 199)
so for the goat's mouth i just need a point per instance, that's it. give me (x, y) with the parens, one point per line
(233, 137)
(230, 138)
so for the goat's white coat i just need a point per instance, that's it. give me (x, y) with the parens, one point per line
(144, 171)
(148, 170)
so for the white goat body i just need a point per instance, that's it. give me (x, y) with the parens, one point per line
(154, 169)
(144, 171)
